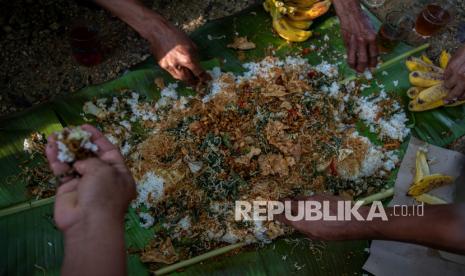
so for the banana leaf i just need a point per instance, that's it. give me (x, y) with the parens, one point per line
(13, 131)
(25, 234)
(295, 255)
(30, 243)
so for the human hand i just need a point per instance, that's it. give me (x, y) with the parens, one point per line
(174, 51)
(104, 190)
(172, 48)
(325, 229)
(358, 34)
(454, 77)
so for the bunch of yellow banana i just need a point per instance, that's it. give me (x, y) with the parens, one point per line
(424, 181)
(427, 79)
(293, 18)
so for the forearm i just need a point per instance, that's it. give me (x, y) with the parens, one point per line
(441, 227)
(95, 247)
(142, 19)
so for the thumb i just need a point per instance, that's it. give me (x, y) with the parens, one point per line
(66, 211)
(88, 166)
(194, 66)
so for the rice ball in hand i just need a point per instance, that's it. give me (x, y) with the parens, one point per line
(75, 144)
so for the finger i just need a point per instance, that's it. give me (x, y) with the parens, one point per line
(362, 56)
(452, 76)
(173, 72)
(461, 82)
(462, 95)
(57, 167)
(373, 52)
(205, 77)
(65, 209)
(190, 79)
(84, 167)
(456, 93)
(92, 165)
(457, 61)
(195, 68)
(170, 68)
(185, 75)
(106, 150)
(352, 52)
(449, 78)
(346, 39)
(298, 225)
(67, 187)
(451, 81)
(99, 139)
(66, 200)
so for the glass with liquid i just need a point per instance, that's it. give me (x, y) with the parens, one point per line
(396, 27)
(434, 17)
(374, 3)
(85, 45)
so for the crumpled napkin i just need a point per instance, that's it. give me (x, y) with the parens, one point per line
(398, 258)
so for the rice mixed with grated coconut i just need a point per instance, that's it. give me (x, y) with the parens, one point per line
(149, 190)
(280, 128)
(74, 144)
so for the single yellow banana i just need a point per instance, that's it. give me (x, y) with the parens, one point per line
(425, 79)
(429, 183)
(314, 12)
(432, 94)
(301, 3)
(430, 199)
(424, 181)
(426, 59)
(430, 98)
(444, 59)
(416, 64)
(421, 166)
(288, 32)
(415, 106)
(414, 91)
(302, 25)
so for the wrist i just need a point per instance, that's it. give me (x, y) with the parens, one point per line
(362, 229)
(95, 246)
(347, 8)
(93, 226)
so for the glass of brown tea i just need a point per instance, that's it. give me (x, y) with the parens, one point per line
(434, 17)
(85, 45)
(396, 27)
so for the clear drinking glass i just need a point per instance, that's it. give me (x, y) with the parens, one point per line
(434, 17)
(85, 45)
(374, 3)
(397, 25)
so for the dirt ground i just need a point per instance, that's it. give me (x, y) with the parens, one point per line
(35, 53)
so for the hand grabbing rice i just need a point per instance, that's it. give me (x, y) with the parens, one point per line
(74, 144)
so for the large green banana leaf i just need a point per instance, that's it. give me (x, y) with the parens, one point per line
(29, 243)
(12, 134)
